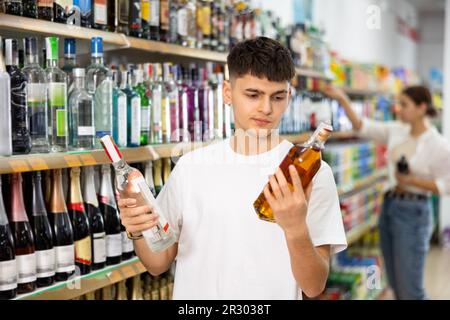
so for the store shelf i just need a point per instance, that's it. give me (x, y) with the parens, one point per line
(28, 27)
(357, 232)
(363, 183)
(363, 92)
(87, 283)
(311, 73)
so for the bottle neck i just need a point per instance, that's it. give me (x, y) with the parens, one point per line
(18, 212)
(107, 195)
(79, 82)
(37, 197)
(32, 59)
(52, 63)
(75, 189)
(57, 202)
(3, 217)
(89, 195)
(97, 60)
(70, 60)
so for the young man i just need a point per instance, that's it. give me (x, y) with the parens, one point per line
(223, 250)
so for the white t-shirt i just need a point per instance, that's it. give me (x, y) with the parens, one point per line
(224, 250)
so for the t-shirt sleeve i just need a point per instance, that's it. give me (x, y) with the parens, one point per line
(324, 218)
(170, 199)
(372, 129)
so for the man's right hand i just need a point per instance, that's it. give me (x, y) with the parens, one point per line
(136, 219)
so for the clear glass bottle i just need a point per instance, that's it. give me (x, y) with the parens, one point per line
(70, 61)
(157, 96)
(81, 114)
(154, 19)
(187, 24)
(135, 20)
(119, 113)
(128, 180)
(100, 85)
(133, 111)
(36, 97)
(5, 108)
(164, 6)
(170, 107)
(21, 140)
(139, 87)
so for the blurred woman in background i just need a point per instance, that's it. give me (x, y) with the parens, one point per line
(418, 165)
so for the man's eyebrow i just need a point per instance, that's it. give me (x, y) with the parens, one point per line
(262, 92)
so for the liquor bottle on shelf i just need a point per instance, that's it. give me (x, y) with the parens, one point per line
(108, 208)
(80, 224)
(85, 7)
(21, 140)
(173, 21)
(119, 113)
(96, 222)
(29, 8)
(45, 10)
(136, 293)
(135, 20)
(60, 10)
(148, 85)
(5, 108)
(145, 18)
(81, 114)
(13, 7)
(187, 24)
(204, 93)
(148, 174)
(62, 228)
(100, 85)
(181, 81)
(43, 235)
(215, 19)
(122, 291)
(194, 123)
(36, 97)
(122, 16)
(154, 23)
(130, 180)
(170, 108)
(139, 87)
(8, 263)
(307, 160)
(127, 244)
(57, 98)
(70, 62)
(157, 101)
(23, 238)
(164, 23)
(100, 15)
(217, 84)
(133, 111)
(204, 24)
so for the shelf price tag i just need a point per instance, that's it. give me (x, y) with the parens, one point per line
(72, 161)
(38, 164)
(88, 160)
(19, 165)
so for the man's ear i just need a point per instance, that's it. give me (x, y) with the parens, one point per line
(226, 91)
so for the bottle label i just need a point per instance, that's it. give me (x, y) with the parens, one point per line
(122, 120)
(86, 131)
(145, 118)
(85, 7)
(45, 3)
(135, 120)
(26, 268)
(154, 13)
(99, 247)
(123, 12)
(65, 258)
(127, 244)
(113, 245)
(83, 251)
(8, 275)
(45, 263)
(100, 12)
(103, 108)
(135, 14)
(157, 108)
(61, 123)
(204, 19)
(182, 22)
(145, 10)
(57, 95)
(164, 18)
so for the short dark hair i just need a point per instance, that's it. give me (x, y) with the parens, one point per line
(421, 94)
(263, 58)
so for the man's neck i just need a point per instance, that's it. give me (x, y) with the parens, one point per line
(250, 145)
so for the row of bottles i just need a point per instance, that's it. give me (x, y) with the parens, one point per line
(57, 109)
(140, 287)
(44, 238)
(203, 24)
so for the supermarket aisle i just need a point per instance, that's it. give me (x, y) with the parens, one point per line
(437, 271)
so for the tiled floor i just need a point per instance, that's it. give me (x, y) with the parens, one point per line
(437, 275)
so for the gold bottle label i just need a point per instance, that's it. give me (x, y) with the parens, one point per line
(83, 253)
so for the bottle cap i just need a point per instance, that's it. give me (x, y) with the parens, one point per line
(324, 131)
(97, 47)
(78, 72)
(30, 45)
(51, 44)
(69, 48)
(111, 149)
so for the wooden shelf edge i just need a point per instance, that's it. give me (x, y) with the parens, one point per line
(81, 285)
(357, 232)
(364, 91)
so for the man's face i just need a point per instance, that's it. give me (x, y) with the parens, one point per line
(258, 104)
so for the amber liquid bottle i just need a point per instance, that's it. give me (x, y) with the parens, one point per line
(306, 158)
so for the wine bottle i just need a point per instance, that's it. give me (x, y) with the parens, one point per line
(23, 238)
(111, 217)
(136, 293)
(5, 108)
(154, 19)
(80, 224)
(131, 183)
(96, 221)
(62, 228)
(122, 16)
(164, 6)
(148, 173)
(127, 244)
(166, 169)
(21, 140)
(135, 20)
(307, 160)
(43, 235)
(122, 291)
(8, 263)
(157, 175)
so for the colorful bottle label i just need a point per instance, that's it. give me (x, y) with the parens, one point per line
(37, 108)
(8, 275)
(65, 258)
(100, 12)
(45, 263)
(99, 247)
(113, 245)
(154, 13)
(57, 95)
(122, 120)
(145, 118)
(164, 18)
(84, 5)
(61, 123)
(182, 22)
(83, 251)
(135, 120)
(26, 268)
(145, 10)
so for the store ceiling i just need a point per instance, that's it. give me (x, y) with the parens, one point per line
(428, 5)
